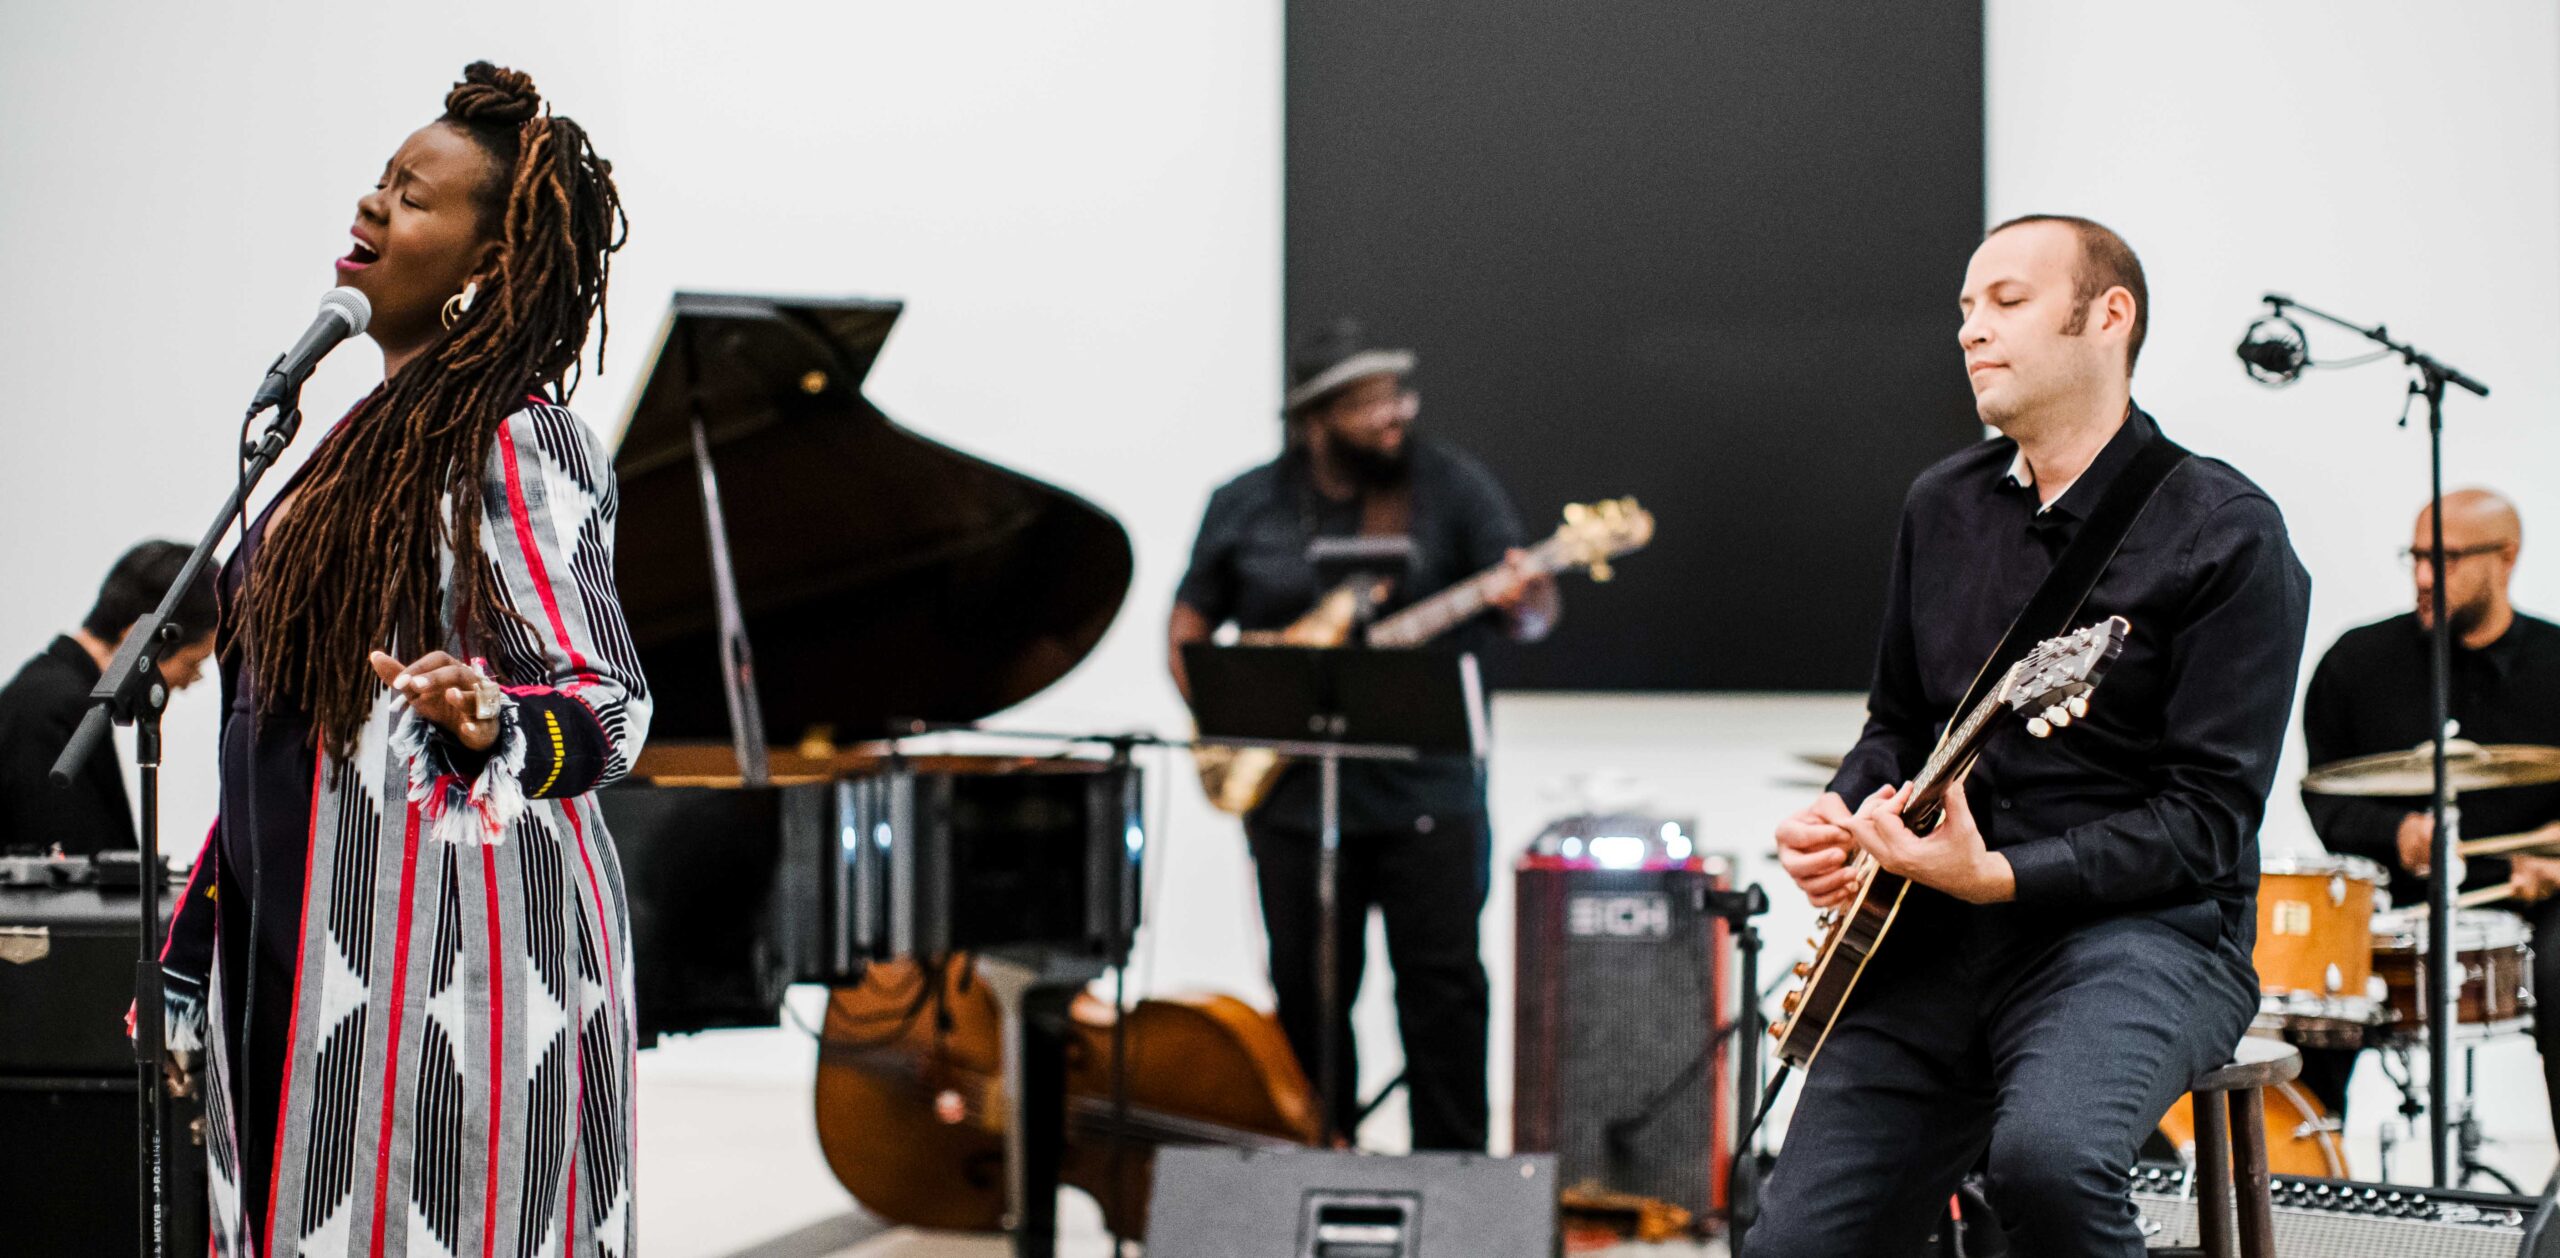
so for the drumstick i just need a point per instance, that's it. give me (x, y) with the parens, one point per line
(2484, 895)
(2509, 843)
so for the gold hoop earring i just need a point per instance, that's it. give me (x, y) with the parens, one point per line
(459, 304)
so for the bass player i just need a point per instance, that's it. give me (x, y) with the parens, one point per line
(1414, 840)
(2077, 948)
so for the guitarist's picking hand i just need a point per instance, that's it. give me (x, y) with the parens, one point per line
(1814, 847)
(1950, 858)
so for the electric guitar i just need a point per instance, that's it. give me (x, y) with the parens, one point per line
(2048, 688)
(1239, 778)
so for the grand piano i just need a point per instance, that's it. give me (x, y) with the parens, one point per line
(806, 583)
(808, 586)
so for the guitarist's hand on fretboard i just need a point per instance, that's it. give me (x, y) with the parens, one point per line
(1529, 599)
(1814, 848)
(1951, 857)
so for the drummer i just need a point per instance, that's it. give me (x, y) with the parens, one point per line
(2370, 694)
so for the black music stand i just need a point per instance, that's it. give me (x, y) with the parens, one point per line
(1332, 705)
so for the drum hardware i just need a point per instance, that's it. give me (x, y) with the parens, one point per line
(2465, 1116)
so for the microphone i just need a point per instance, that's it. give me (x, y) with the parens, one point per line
(2274, 351)
(344, 312)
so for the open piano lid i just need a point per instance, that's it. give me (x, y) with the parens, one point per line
(883, 578)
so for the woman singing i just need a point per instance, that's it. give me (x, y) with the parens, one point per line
(409, 925)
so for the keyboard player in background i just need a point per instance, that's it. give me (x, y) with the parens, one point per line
(42, 705)
(1414, 843)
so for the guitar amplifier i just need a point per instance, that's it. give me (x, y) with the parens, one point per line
(1622, 983)
(2321, 1218)
(67, 955)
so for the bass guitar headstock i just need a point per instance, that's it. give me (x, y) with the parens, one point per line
(1593, 533)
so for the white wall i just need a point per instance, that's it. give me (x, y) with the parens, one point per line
(2388, 162)
(1081, 204)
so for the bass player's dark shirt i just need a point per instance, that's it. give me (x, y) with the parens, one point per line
(1249, 568)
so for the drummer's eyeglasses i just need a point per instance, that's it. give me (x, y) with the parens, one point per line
(2416, 556)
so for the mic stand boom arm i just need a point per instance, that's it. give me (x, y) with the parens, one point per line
(2442, 872)
(131, 692)
(2427, 364)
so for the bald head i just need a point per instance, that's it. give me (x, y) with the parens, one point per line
(2483, 535)
(2480, 517)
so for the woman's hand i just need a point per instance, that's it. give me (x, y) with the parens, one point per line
(450, 694)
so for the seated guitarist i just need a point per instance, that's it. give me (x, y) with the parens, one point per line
(2078, 945)
(1414, 841)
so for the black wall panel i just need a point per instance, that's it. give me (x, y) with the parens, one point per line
(1702, 252)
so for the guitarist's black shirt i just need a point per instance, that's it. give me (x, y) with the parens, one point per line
(2151, 803)
(1249, 567)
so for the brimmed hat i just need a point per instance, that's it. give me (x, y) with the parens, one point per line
(1333, 356)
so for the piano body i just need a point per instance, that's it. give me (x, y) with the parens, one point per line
(806, 583)
(802, 574)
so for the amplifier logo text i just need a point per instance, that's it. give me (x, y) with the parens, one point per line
(1628, 915)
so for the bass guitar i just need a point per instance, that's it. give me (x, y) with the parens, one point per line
(2047, 689)
(1238, 779)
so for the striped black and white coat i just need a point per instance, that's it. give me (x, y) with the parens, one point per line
(460, 1079)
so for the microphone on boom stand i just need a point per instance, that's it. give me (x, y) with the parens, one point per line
(2275, 350)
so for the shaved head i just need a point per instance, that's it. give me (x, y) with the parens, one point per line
(2476, 517)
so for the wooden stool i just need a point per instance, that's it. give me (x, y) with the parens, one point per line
(2231, 1153)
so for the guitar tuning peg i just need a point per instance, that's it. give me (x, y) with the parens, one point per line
(1576, 513)
(2058, 716)
(2038, 726)
(1601, 571)
(2078, 704)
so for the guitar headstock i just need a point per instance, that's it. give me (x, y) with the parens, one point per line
(1594, 533)
(2051, 686)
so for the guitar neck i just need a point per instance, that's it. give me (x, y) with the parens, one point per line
(1452, 607)
(1948, 763)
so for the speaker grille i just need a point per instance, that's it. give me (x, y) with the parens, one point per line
(1621, 978)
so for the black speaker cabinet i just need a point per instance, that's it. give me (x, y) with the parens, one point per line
(66, 978)
(1621, 983)
(70, 1181)
(1308, 1203)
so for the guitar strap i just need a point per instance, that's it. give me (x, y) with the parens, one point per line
(2057, 602)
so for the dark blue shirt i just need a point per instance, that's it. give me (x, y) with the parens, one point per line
(2152, 802)
(1249, 568)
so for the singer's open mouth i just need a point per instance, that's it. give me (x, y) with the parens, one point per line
(360, 256)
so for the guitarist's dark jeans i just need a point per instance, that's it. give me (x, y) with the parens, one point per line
(1430, 885)
(2057, 1060)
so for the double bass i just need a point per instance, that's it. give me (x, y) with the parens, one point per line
(910, 1103)
(774, 523)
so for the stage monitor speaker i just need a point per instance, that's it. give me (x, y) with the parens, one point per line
(1308, 1203)
(69, 1181)
(1622, 984)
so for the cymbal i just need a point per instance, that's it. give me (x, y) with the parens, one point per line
(2470, 766)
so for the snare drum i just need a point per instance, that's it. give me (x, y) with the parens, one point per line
(2495, 952)
(2315, 951)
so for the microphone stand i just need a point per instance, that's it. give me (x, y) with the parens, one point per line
(2431, 377)
(131, 692)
